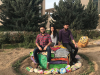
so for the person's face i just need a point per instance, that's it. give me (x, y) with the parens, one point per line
(66, 26)
(42, 30)
(52, 29)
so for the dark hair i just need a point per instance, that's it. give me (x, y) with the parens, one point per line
(54, 32)
(42, 26)
(66, 23)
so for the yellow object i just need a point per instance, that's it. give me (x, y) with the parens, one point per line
(60, 46)
(83, 42)
(44, 53)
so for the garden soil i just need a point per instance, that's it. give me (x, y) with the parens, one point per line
(9, 56)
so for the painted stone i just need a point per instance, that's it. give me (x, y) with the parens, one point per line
(62, 70)
(61, 53)
(54, 70)
(68, 68)
(83, 42)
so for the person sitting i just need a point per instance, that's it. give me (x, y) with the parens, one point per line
(64, 35)
(43, 41)
(54, 35)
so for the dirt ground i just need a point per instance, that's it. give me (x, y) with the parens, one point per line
(9, 56)
(29, 63)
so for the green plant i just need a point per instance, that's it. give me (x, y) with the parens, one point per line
(29, 39)
(91, 69)
(91, 16)
(75, 14)
(10, 46)
(6, 38)
(79, 33)
(17, 64)
(22, 15)
(26, 39)
(1, 41)
(16, 38)
(48, 31)
(4, 28)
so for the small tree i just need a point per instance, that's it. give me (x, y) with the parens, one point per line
(78, 15)
(68, 11)
(75, 13)
(91, 16)
(22, 14)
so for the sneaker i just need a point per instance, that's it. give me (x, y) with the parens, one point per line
(75, 60)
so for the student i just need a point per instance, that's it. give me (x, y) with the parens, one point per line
(64, 35)
(43, 41)
(54, 35)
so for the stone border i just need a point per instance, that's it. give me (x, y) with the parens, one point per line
(16, 66)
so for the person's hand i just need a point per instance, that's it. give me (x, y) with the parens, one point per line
(40, 48)
(45, 47)
(59, 44)
(75, 46)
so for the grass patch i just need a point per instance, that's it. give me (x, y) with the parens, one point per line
(17, 65)
(90, 63)
(10, 46)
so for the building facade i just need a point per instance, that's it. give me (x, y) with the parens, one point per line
(43, 7)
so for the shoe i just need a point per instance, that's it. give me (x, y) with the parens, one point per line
(75, 60)
(71, 63)
(36, 65)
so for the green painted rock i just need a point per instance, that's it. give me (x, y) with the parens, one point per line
(42, 60)
(31, 53)
(52, 55)
(57, 66)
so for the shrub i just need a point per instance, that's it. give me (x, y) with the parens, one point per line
(29, 39)
(16, 38)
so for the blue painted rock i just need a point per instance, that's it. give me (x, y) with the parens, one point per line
(54, 70)
(62, 70)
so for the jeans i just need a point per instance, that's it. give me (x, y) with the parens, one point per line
(36, 50)
(71, 46)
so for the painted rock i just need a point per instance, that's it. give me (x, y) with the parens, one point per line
(78, 65)
(83, 41)
(47, 72)
(54, 70)
(73, 67)
(36, 70)
(62, 70)
(68, 68)
(61, 53)
(40, 71)
(30, 69)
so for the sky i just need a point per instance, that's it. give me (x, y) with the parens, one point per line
(50, 3)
